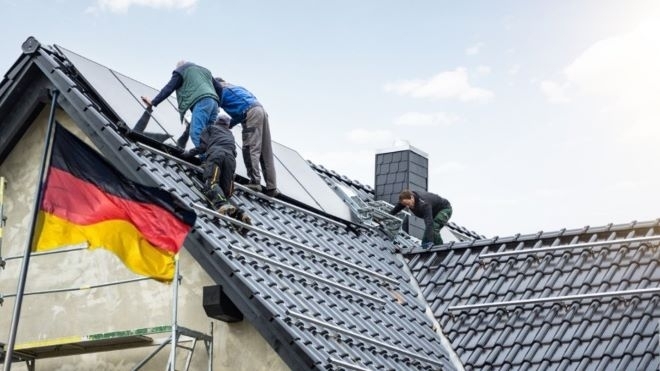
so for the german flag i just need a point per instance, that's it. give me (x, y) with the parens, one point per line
(87, 200)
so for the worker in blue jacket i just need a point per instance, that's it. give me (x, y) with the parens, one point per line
(434, 209)
(245, 109)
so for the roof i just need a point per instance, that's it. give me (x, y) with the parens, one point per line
(580, 299)
(325, 290)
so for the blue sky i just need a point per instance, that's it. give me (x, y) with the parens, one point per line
(536, 115)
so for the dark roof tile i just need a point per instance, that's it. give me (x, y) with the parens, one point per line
(574, 334)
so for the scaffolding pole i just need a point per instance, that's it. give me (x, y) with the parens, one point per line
(175, 306)
(45, 159)
(3, 182)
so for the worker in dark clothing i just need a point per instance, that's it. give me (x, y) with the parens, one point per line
(197, 91)
(218, 146)
(245, 109)
(434, 209)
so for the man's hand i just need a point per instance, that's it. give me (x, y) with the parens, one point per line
(146, 101)
(427, 245)
(178, 151)
(188, 154)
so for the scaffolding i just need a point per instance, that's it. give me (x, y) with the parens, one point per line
(370, 213)
(178, 337)
(3, 182)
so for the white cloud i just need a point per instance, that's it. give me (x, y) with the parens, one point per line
(513, 70)
(555, 193)
(364, 136)
(474, 49)
(483, 70)
(445, 85)
(624, 68)
(554, 92)
(623, 72)
(507, 22)
(122, 6)
(426, 119)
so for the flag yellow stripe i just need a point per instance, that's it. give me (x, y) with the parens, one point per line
(118, 236)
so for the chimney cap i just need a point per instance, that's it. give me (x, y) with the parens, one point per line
(402, 146)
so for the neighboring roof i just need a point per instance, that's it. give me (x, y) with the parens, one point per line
(325, 292)
(611, 323)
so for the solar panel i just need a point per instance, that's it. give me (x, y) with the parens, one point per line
(165, 117)
(123, 94)
(296, 167)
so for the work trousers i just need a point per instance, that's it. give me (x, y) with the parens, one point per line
(257, 148)
(219, 179)
(204, 113)
(439, 221)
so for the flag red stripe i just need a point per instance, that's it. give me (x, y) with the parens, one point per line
(83, 203)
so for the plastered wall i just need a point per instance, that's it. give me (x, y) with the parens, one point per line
(237, 346)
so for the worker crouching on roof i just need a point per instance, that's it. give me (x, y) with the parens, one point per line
(434, 209)
(218, 147)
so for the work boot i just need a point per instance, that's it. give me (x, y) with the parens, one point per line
(227, 209)
(254, 187)
(272, 192)
(243, 217)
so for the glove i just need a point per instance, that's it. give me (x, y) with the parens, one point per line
(188, 155)
(427, 245)
(177, 151)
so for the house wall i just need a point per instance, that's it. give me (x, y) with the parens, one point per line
(237, 346)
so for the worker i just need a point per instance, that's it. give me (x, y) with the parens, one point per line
(218, 146)
(245, 109)
(197, 91)
(434, 209)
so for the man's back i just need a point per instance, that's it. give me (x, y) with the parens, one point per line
(236, 101)
(424, 198)
(217, 141)
(196, 84)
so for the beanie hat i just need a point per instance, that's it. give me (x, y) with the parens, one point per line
(223, 119)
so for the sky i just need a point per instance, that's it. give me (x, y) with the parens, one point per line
(536, 115)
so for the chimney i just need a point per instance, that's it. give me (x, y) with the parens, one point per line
(397, 168)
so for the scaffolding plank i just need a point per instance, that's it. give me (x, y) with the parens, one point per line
(101, 342)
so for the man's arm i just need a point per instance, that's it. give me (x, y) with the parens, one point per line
(183, 139)
(193, 151)
(218, 89)
(395, 210)
(174, 83)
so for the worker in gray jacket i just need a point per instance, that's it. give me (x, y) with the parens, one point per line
(434, 209)
(218, 147)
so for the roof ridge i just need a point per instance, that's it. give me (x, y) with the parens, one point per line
(344, 178)
(560, 233)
